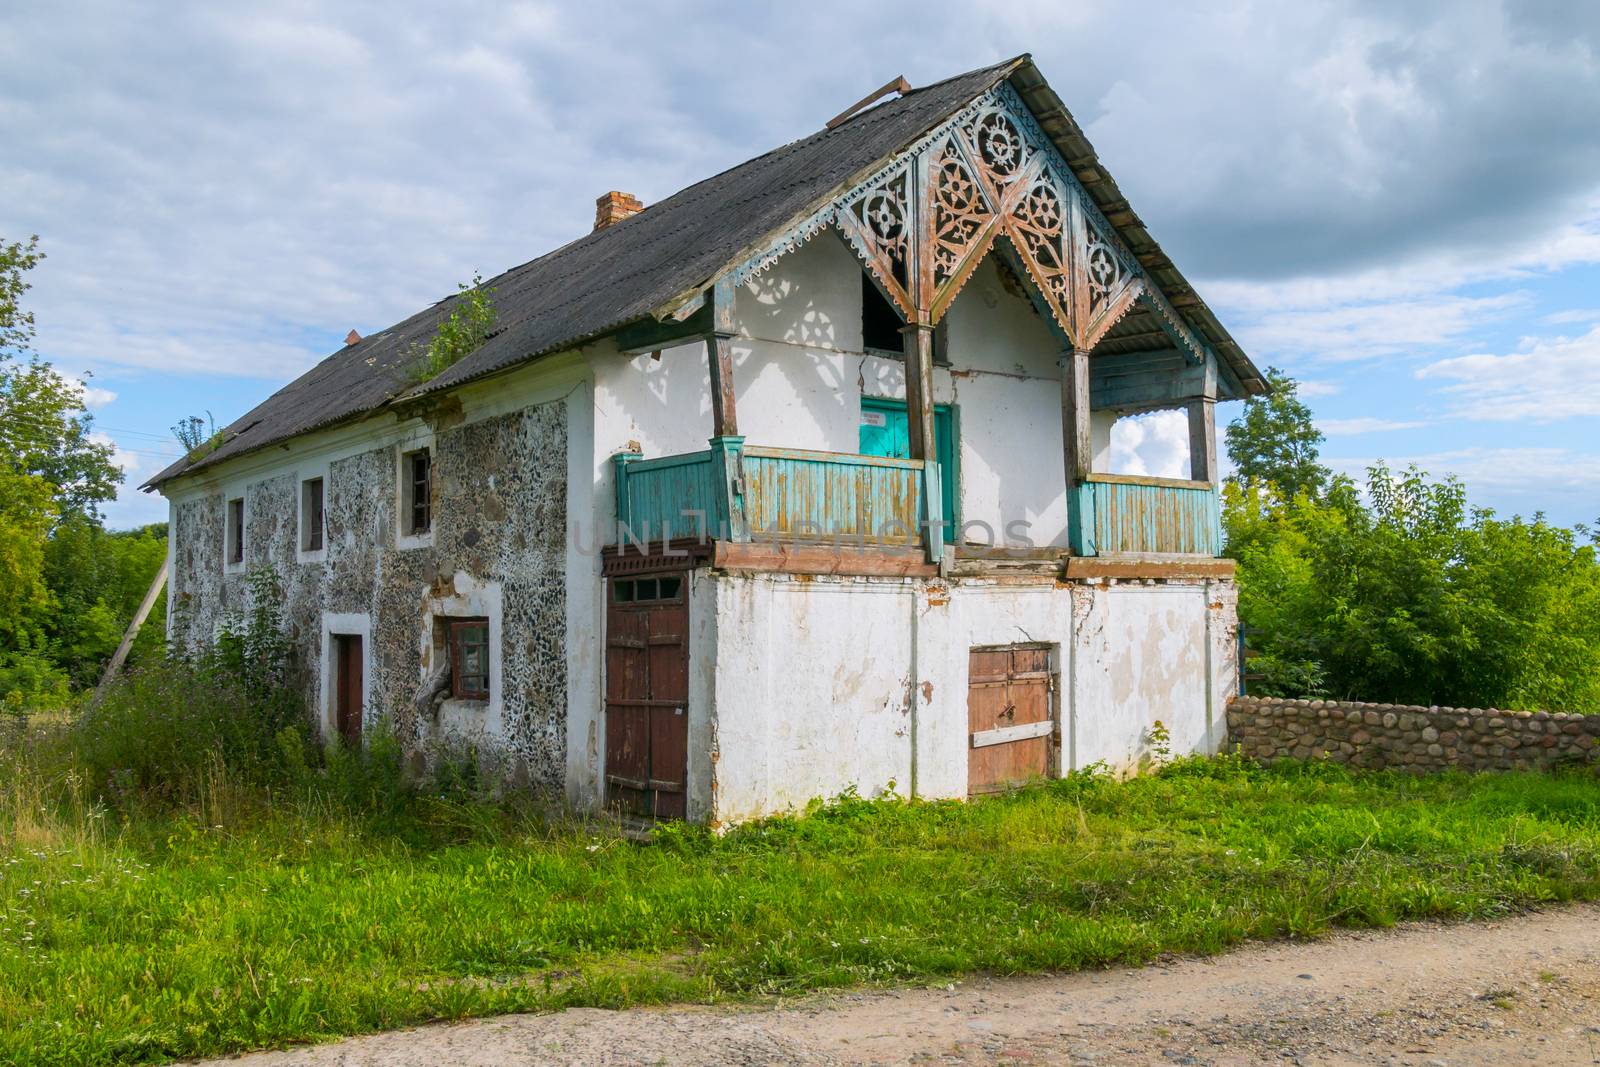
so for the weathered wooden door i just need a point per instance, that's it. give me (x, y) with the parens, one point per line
(647, 695)
(1008, 715)
(348, 684)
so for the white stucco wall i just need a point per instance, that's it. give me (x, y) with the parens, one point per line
(800, 372)
(823, 685)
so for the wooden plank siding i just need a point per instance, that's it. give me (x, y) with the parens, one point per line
(1150, 515)
(788, 494)
(800, 495)
(793, 493)
(668, 493)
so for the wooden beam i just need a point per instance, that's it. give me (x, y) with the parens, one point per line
(918, 342)
(898, 85)
(1078, 450)
(1136, 567)
(1203, 440)
(719, 355)
(724, 414)
(792, 558)
(648, 335)
(149, 601)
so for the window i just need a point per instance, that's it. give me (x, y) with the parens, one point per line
(416, 470)
(311, 519)
(469, 659)
(646, 590)
(235, 530)
(880, 321)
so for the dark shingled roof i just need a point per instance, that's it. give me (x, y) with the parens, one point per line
(625, 272)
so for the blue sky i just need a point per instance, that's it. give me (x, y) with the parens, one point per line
(1398, 204)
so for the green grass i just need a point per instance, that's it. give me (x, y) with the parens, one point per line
(243, 923)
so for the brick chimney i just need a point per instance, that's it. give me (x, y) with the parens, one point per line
(614, 207)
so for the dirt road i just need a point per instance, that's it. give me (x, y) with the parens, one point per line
(1522, 990)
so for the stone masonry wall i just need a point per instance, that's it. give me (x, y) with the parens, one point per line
(1408, 737)
(499, 515)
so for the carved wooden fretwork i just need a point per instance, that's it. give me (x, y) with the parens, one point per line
(924, 222)
(877, 220)
(964, 221)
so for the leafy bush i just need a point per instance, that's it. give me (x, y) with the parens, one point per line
(466, 327)
(160, 730)
(1401, 594)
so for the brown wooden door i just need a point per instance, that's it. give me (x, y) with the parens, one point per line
(647, 695)
(1008, 715)
(348, 685)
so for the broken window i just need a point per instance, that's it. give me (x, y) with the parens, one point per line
(235, 530)
(417, 504)
(469, 659)
(311, 518)
(880, 320)
(881, 324)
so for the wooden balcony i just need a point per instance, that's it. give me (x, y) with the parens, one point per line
(1125, 514)
(737, 493)
(734, 492)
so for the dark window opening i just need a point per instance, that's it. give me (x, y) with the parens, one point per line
(469, 659)
(880, 320)
(236, 531)
(646, 590)
(311, 516)
(419, 492)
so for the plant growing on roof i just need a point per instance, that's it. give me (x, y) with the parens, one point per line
(466, 327)
(198, 436)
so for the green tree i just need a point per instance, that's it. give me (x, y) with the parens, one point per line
(44, 427)
(1274, 441)
(51, 472)
(98, 578)
(1404, 596)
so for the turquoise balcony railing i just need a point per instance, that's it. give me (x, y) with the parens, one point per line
(1128, 514)
(741, 493)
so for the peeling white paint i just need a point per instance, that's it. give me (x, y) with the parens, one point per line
(827, 685)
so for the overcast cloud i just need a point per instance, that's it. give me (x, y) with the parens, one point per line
(1400, 202)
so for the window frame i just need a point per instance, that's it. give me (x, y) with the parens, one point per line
(313, 516)
(626, 589)
(233, 532)
(457, 644)
(405, 499)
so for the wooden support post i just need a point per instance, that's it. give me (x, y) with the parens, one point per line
(149, 601)
(724, 416)
(619, 466)
(719, 354)
(918, 349)
(727, 461)
(1077, 447)
(1203, 439)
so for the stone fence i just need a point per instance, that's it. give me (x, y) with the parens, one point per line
(1408, 737)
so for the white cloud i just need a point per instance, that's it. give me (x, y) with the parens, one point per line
(1155, 445)
(1342, 333)
(1551, 378)
(127, 461)
(1363, 424)
(95, 397)
(1554, 480)
(1310, 389)
(1581, 316)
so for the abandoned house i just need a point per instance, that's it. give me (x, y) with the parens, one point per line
(792, 483)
